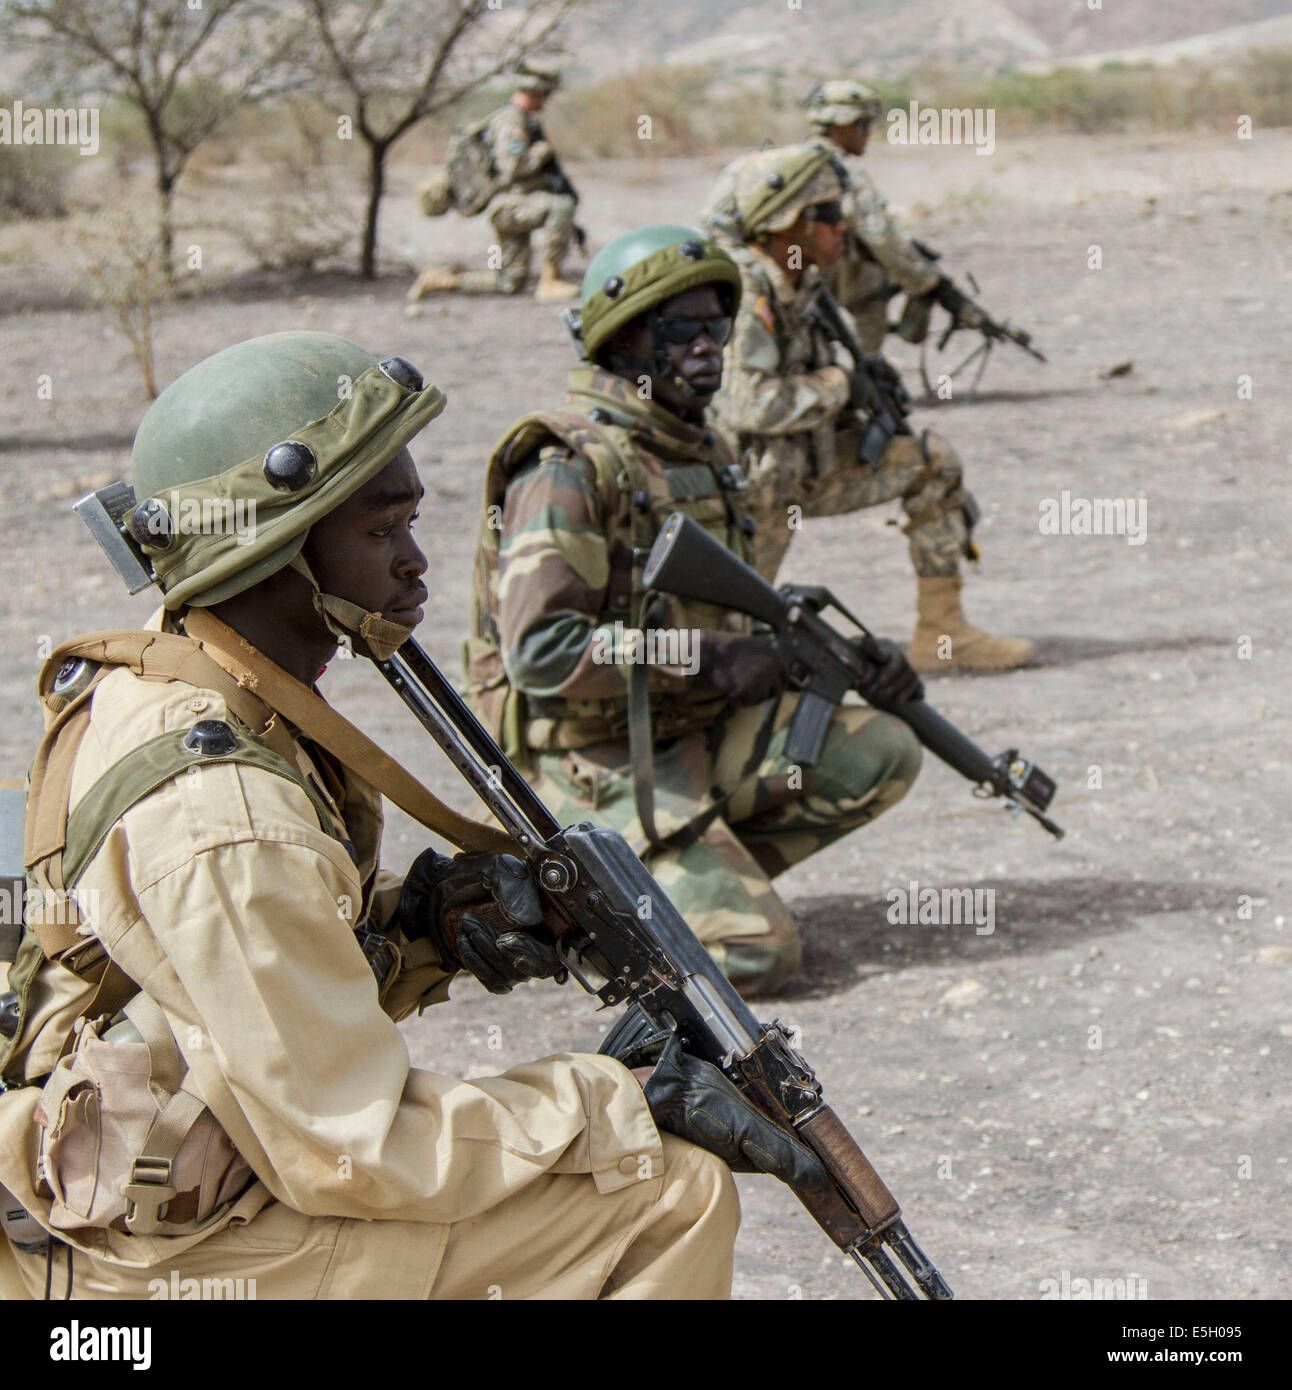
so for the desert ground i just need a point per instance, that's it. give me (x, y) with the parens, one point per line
(1098, 1086)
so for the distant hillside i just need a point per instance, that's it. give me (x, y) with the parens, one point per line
(886, 37)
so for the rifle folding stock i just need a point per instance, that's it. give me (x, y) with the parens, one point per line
(685, 560)
(594, 888)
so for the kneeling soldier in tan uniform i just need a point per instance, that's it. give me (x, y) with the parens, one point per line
(206, 1080)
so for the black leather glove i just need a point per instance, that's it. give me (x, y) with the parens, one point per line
(893, 681)
(748, 670)
(435, 884)
(882, 374)
(694, 1100)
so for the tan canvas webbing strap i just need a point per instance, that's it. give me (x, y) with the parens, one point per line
(152, 765)
(153, 655)
(150, 1187)
(319, 721)
(51, 782)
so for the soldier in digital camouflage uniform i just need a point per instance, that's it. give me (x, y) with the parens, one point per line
(525, 202)
(878, 261)
(792, 410)
(574, 500)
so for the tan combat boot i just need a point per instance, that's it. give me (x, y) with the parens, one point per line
(968, 648)
(551, 289)
(433, 281)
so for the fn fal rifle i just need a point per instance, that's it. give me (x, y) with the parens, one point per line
(687, 561)
(623, 940)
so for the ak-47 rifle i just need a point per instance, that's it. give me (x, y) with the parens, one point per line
(687, 561)
(594, 889)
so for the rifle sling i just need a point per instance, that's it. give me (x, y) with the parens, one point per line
(332, 731)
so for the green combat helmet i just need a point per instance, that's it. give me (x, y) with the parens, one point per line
(842, 102)
(639, 271)
(773, 187)
(239, 457)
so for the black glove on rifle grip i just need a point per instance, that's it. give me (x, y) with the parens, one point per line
(893, 681)
(691, 1098)
(435, 884)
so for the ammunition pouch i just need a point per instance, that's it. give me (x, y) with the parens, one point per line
(125, 1140)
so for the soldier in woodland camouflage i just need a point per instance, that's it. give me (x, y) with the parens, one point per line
(531, 196)
(792, 410)
(574, 500)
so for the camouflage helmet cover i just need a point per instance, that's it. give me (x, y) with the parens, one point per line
(774, 186)
(209, 447)
(643, 268)
(841, 102)
(541, 78)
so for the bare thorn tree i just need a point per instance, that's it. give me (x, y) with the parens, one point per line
(387, 64)
(183, 66)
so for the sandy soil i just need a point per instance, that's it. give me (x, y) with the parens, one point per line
(1099, 1085)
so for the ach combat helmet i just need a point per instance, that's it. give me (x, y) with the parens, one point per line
(772, 187)
(841, 102)
(639, 271)
(283, 429)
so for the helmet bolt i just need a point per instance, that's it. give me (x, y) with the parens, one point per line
(775, 181)
(150, 524)
(613, 287)
(402, 372)
(692, 250)
(288, 467)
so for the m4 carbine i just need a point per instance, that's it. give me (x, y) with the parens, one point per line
(884, 400)
(558, 181)
(624, 941)
(965, 314)
(687, 561)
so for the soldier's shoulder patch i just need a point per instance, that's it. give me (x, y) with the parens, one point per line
(763, 311)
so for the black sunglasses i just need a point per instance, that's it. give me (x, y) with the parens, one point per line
(685, 328)
(829, 213)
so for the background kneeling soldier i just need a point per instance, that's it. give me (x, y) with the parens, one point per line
(680, 750)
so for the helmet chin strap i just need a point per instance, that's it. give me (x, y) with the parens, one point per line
(660, 364)
(346, 620)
